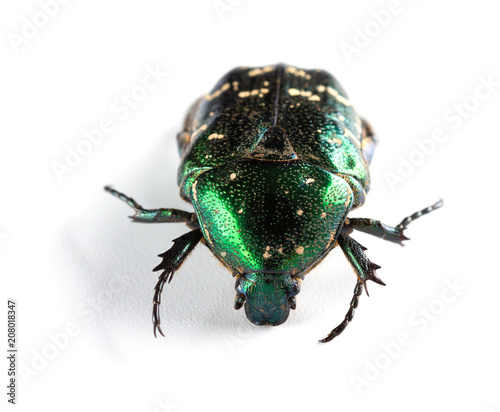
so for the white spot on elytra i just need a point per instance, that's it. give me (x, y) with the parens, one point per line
(217, 93)
(254, 92)
(215, 136)
(341, 99)
(297, 92)
(310, 180)
(297, 72)
(232, 176)
(223, 254)
(300, 212)
(257, 71)
(200, 129)
(300, 250)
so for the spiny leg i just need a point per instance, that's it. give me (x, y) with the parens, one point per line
(358, 289)
(364, 269)
(172, 260)
(386, 232)
(155, 215)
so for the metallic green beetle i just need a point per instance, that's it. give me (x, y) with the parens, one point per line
(273, 160)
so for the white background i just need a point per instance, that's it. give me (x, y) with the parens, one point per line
(80, 272)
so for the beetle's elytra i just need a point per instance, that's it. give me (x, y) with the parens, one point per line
(273, 159)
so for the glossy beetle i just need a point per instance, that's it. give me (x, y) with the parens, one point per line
(273, 160)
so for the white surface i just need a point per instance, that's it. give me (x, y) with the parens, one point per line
(71, 259)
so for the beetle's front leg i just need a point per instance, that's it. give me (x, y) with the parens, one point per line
(349, 315)
(364, 269)
(155, 215)
(386, 232)
(355, 253)
(172, 260)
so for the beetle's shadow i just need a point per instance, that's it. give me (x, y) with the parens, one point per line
(105, 264)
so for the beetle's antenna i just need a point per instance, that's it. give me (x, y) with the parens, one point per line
(358, 289)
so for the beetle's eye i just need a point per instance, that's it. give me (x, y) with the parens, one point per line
(292, 302)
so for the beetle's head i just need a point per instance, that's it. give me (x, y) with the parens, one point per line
(268, 297)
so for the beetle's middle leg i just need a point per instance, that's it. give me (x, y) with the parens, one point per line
(156, 215)
(383, 231)
(364, 269)
(172, 260)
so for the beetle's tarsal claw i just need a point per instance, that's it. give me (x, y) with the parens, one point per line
(159, 330)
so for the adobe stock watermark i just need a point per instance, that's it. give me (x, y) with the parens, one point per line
(58, 342)
(453, 118)
(121, 107)
(363, 36)
(223, 7)
(419, 321)
(102, 299)
(32, 26)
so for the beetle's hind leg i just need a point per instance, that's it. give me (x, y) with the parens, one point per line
(383, 231)
(155, 215)
(364, 269)
(172, 260)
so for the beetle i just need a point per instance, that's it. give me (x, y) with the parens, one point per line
(273, 159)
